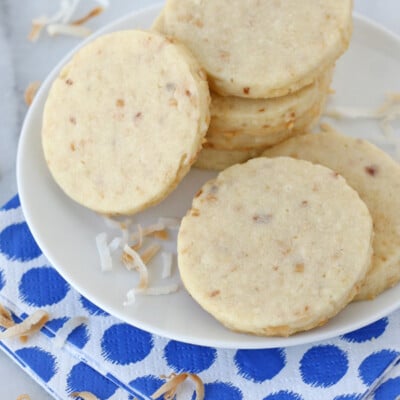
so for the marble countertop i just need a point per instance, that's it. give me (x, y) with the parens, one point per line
(23, 62)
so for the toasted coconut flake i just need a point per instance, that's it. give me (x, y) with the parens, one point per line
(104, 252)
(158, 290)
(139, 241)
(138, 264)
(67, 329)
(162, 235)
(389, 111)
(84, 395)
(60, 22)
(148, 231)
(23, 397)
(30, 325)
(167, 265)
(149, 253)
(170, 388)
(6, 320)
(35, 31)
(30, 92)
(91, 14)
(68, 30)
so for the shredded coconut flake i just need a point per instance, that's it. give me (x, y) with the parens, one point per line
(149, 291)
(115, 244)
(139, 241)
(28, 326)
(23, 397)
(67, 329)
(148, 231)
(389, 111)
(158, 290)
(69, 30)
(167, 265)
(170, 388)
(130, 298)
(60, 22)
(149, 253)
(30, 92)
(104, 252)
(84, 395)
(6, 320)
(162, 235)
(138, 264)
(91, 14)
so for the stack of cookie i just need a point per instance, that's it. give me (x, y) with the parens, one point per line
(269, 66)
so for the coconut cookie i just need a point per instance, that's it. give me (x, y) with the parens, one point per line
(376, 177)
(260, 49)
(275, 246)
(219, 160)
(124, 121)
(237, 140)
(262, 117)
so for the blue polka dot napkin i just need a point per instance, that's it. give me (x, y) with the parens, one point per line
(114, 360)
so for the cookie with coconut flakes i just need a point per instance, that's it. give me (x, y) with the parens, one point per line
(275, 246)
(125, 120)
(260, 49)
(376, 178)
(272, 135)
(266, 117)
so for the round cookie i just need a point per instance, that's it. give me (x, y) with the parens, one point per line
(376, 178)
(261, 117)
(260, 49)
(275, 246)
(237, 140)
(124, 121)
(219, 160)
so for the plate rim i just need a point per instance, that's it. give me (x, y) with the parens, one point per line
(253, 342)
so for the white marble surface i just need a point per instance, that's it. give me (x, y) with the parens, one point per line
(22, 62)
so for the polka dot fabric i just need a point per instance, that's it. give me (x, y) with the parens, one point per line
(116, 361)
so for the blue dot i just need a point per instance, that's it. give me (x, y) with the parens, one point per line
(375, 364)
(11, 204)
(79, 336)
(17, 243)
(323, 366)
(92, 308)
(367, 333)
(188, 357)
(42, 363)
(147, 385)
(221, 391)
(348, 397)
(260, 365)
(2, 280)
(82, 378)
(42, 286)
(284, 395)
(389, 390)
(123, 344)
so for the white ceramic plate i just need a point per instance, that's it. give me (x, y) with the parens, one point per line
(66, 231)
